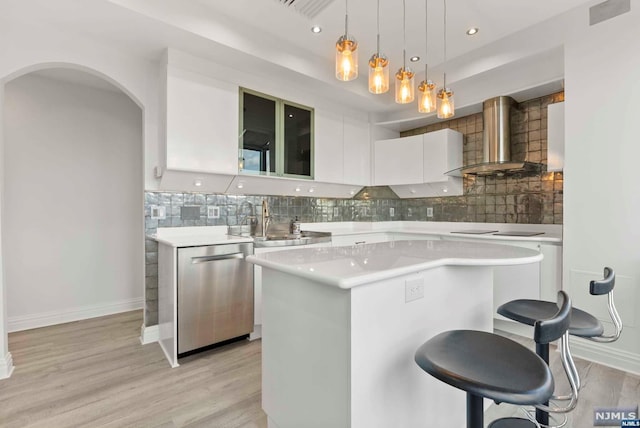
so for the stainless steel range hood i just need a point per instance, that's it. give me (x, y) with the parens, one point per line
(496, 142)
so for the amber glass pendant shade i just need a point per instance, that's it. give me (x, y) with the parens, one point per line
(378, 74)
(446, 106)
(405, 91)
(346, 58)
(427, 102)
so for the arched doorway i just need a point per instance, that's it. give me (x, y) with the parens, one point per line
(73, 197)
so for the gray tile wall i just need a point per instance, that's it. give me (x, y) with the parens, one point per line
(536, 199)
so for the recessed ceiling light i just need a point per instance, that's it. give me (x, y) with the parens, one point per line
(414, 59)
(290, 114)
(471, 31)
(316, 29)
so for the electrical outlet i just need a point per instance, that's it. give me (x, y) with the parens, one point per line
(409, 212)
(213, 212)
(429, 211)
(392, 212)
(158, 212)
(413, 289)
(336, 211)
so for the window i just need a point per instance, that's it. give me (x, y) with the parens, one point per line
(276, 136)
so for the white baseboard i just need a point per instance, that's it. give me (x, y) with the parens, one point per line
(6, 366)
(45, 319)
(601, 353)
(149, 334)
(256, 333)
(606, 354)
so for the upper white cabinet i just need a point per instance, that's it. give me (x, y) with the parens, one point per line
(342, 149)
(357, 152)
(328, 147)
(555, 137)
(417, 159)
(202, 123)
(398, 161)
(442, 152)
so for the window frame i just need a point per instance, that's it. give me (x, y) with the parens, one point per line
(280, 137)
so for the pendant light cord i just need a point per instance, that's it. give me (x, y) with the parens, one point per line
(378, 36)
(426, 38)
(346, 18)
(404, 35)
(445, 43)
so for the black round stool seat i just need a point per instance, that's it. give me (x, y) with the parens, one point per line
(512, 423)
(528, 312)
(487, 365)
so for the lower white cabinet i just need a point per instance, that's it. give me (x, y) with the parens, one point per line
(257, 286)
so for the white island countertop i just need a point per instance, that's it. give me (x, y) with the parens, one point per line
(347, 267)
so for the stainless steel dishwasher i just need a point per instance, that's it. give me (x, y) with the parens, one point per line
(215, 294)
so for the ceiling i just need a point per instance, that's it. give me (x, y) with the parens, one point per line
(518, 50)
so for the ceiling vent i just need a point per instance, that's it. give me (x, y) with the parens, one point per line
(307, 8)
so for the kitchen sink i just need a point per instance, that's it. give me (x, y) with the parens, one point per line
(306, 237)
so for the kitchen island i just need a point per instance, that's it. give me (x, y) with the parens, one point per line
(341, 325)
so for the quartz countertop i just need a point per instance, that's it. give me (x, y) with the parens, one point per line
(196, 236)
(552, 233)
(347, 267)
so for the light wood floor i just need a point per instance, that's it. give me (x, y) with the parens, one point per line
(95, 373)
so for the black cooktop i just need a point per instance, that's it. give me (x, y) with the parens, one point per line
(518, 233)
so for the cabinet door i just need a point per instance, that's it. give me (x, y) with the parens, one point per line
(442, 153)
(555, 137)
(357, 152)
(329, 160)
(398, 161)
(202, 124)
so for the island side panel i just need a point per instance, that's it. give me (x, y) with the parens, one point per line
(388, 389)
(167, 304)
(305, 352)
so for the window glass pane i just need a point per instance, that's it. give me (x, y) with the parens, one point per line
(259, 139)
(297, 140)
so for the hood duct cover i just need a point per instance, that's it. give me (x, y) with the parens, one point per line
(496, 142)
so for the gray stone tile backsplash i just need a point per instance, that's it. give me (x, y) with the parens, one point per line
(533, 200)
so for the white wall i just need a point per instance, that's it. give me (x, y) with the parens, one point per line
(6, 364)
(73, 202)
(601, 190)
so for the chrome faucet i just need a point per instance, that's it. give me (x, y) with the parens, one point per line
(250, 218)
(266, 219)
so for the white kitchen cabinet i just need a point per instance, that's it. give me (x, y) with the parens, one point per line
(202, 123)
(357, 152)
(257, 285)
(415, 166)
(328, 147)
(555, 137)
(398, 161)
(442, 152)
(342, 149)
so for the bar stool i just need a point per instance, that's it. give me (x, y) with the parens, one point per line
(492, 366)
(582, 323)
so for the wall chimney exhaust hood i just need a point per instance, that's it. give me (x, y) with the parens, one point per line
(496, 143)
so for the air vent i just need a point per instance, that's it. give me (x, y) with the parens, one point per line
(307, 8)
(607, 10)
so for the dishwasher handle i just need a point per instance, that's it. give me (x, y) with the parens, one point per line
(204, 259)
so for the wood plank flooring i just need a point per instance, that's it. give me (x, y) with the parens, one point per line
(95, 373)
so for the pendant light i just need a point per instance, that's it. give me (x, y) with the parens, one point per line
(446, 106)
(427, 88)
(378, 67)
(346, 52)
(404, 76)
